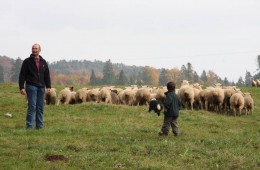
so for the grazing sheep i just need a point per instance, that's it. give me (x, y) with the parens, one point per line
(126, 97)
(228, 92)
(237, 102)
(81, 95)
(185, 82)
(142, 96)
(65, 95)
(218, 98)
(105, 95)
(114, 98)
(93, 95)
(196, 103)
(258, 83)
(156, 106)
(254, 83)
(73, 98)
(249, 103)
(50, 97)
(160, 95)
(208, 98)
(186, 95)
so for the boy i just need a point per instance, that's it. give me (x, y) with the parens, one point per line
(172, 105)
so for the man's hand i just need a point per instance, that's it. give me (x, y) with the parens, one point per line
(23, 92)
(48, 90)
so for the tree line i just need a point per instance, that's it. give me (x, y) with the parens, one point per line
(94, 73)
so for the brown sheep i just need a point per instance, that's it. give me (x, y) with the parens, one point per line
(51, 97)
(114, 98)
(237, 103)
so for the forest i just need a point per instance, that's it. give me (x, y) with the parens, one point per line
(98, 73)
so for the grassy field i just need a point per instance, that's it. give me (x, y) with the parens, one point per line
(100, 136)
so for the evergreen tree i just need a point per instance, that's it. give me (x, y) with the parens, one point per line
(1, 74)
(108, 74)
(196, 78)
(93, 79)
(203, 76)
(240, 82)
(133, 78)
(189, 72)
(16, 70)
(163, 77)
(122, 80)
(184, 72)
(226, 82)
(248, 79)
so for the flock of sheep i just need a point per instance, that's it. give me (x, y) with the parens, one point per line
(218, 99)
(255, 83)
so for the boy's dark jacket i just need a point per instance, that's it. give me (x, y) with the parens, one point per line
(32, 76)
(172, 104)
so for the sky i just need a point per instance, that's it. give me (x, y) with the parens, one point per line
(218, 35)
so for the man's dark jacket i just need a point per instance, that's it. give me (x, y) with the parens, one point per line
(32, 76)
(172, 104)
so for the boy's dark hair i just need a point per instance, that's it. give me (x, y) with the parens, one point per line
(171, 86)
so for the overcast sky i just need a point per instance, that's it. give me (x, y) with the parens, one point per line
(218, 35)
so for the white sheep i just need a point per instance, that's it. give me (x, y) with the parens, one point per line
(186, 95)
(237, 103)
(249, 103)
(64, 96)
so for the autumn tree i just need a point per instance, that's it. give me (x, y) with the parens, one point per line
(175, 75)
(1, 74)
(16, 70)
(211, 78)
(163, 77)
(108, 73)
(154, 76)
(146, 76)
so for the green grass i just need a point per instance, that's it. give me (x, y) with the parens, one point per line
(100, 136)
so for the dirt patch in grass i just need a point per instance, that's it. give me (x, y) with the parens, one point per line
(54, 158)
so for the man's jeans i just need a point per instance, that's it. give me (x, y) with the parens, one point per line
(35, 97)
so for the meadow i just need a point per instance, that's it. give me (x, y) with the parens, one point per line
(103, 136)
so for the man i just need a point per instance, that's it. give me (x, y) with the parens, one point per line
(35, 74)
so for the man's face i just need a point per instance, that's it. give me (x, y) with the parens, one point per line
(36, 49)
